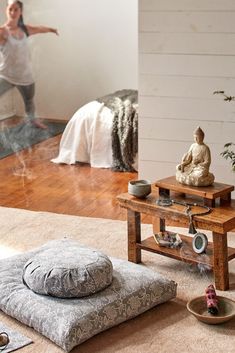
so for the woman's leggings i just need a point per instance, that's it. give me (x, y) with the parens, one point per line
(27, 93)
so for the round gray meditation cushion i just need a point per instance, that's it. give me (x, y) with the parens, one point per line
(66, 269)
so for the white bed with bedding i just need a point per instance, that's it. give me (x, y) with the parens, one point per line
(103, 133)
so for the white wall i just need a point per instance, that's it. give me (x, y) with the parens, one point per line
(7, 108)
(186, 52)
(96, 52)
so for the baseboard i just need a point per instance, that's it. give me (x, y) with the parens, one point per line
(6, 116)
(55, 120)
(14, 117)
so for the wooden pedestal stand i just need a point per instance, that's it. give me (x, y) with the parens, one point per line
(208, 194)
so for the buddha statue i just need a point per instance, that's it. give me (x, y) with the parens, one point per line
(194, 167)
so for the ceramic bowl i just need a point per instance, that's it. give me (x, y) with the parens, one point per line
(198, 308)
(139, 188)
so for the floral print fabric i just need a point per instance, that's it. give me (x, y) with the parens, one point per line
(64, 269)
(69, 322)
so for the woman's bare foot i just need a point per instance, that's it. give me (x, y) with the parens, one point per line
(39, 124)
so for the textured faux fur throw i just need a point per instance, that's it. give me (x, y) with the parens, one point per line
(124, 104)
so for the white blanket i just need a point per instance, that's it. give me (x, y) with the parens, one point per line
(87, 137)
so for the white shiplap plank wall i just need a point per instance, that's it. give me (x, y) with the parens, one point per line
(186, 52)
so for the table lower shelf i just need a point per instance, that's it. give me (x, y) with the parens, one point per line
(185, 252)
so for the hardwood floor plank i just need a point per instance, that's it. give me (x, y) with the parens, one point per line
(30, 181)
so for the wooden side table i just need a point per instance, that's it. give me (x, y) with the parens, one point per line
(220, 221)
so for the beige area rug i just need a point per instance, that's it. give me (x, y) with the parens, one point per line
(166, 328)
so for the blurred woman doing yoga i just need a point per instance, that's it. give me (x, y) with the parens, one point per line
(15, 64)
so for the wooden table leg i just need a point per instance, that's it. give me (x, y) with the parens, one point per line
(158, 225)
(134, 236)
(208, 202)
(225, 199)
(220, 253)
(163, 193)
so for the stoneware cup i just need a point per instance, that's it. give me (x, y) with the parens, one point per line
(139, 188)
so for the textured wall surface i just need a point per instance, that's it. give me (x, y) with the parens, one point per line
(95, 53)
(186, 53)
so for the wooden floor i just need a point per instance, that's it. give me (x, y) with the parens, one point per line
(30, 181)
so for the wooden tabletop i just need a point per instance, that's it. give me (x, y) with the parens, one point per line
(220, 219)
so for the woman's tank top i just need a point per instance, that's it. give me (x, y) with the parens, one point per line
(15, 63)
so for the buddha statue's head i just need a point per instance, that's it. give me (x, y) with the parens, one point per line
(198, 135)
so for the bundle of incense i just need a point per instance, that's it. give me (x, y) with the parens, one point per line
(211, 300)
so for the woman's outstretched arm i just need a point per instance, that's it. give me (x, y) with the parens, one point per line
(41, 29)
